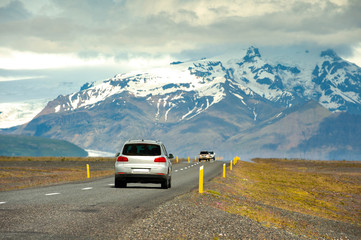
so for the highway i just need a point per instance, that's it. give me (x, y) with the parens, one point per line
(91, 209)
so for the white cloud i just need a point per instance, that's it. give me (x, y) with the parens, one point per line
(356, 56)
(16, 78)
(10, 59)
(16, 60)
(54, 33)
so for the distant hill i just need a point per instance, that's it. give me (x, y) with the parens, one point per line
(20, 145)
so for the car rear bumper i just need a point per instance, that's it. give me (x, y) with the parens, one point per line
(141, 178)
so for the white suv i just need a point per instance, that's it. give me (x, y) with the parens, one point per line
(206, 155)
(143, 161)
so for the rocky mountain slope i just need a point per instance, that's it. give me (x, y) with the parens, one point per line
(250, 105)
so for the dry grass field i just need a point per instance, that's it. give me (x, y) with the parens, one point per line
(24, 172)
(277, 192)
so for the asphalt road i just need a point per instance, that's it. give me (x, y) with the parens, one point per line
(91, 209)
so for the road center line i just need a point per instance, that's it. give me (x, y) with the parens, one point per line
(87, 188)
(52, 194)
(2, 202)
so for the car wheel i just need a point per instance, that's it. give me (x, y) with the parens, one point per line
(170, 182)
(119, 183)
(164, 184)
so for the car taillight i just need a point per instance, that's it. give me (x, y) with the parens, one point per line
(122, 159)
(160, 159)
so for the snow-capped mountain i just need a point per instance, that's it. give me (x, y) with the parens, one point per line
(337, 83)
(333, 82)
(207, 102)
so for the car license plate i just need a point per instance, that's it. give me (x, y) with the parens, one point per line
(140, 170)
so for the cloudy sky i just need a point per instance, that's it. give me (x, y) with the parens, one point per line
(41, 34)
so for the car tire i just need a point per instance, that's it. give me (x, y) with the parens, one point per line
(170, 182)
(119, 183)
(164, 184)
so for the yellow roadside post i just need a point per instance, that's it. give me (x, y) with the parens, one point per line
(201, 179)
(189, 160)
(230, 166)
(224, 170)
(177, 159)
(195, 159)
(87, 171)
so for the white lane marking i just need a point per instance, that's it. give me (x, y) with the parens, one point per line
(52, 194)
(176, 170)
(181, 169)
(87, 188)
(2, 202)
(111, 184)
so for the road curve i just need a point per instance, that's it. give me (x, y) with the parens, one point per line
(91, 209)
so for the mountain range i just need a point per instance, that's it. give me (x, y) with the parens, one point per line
(306, 105)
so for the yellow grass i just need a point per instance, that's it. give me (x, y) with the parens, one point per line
(41, 171)
(261, 190)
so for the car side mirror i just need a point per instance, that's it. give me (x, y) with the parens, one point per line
(117, 155)
(171, 156)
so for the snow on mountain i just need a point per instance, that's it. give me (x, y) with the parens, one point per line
(328, 79)
(281, 76)
(263, 78)
(13, 114)
(337, 83)
(164, 88)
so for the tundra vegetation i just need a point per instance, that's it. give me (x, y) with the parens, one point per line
(274, 191)
(24, 172)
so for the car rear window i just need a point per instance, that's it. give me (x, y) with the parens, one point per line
(204, 152)
(141, 150)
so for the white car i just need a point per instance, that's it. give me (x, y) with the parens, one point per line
(143, 161)
(206, 155)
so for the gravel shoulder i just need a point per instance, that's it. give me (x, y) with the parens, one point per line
(184, 218)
